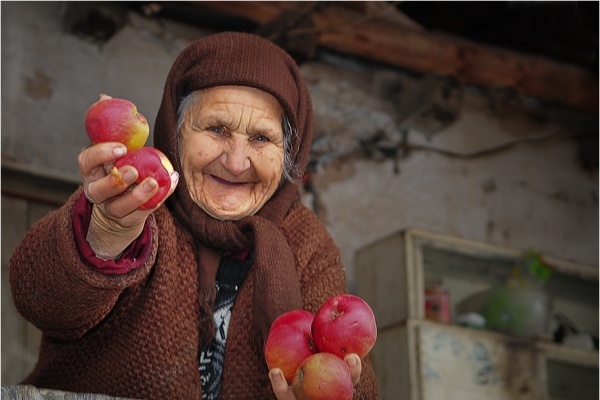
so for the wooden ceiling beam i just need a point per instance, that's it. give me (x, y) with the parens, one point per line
(373, 37)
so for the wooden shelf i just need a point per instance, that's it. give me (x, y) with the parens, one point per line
(419, 359)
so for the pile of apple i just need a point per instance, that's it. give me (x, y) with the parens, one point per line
(117, 120)
(309, 348)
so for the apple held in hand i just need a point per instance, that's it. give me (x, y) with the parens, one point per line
(300, 318)
(116, 120)
(149, 162)
(323, 376)
(289, 342)
(345, 324)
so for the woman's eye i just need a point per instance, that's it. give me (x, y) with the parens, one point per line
(217, 129)
(261, 138)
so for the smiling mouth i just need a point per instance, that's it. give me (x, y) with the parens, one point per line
(226, 182)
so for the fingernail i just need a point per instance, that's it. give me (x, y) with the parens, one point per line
(129, 176)
(352, 362)
(119, 151)
(276, 375)
(149, 185)
(174, 177)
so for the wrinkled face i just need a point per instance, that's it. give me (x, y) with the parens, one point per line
(231, 150)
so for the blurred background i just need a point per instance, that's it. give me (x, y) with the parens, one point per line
(451, 138)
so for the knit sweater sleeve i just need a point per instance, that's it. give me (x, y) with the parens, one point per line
(323, 276)
(53, 283)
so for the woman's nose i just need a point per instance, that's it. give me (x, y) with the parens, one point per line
(235, 157)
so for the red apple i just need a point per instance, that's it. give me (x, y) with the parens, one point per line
(149, 162)
(289, 342)
(345, 324)
(323, 376)
(116, 120)
(300, 318)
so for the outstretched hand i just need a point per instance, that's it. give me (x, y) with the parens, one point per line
(116, 219)
(284, 392)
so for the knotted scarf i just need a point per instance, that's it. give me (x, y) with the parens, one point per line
(240, 59)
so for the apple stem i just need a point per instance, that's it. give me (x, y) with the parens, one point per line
(336, 314)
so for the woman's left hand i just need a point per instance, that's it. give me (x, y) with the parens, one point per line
(284, 392)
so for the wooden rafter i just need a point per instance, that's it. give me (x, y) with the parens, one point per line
(387, 36)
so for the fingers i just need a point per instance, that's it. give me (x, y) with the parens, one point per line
(119, 204)
(92, 159)
(280, 386)
(355, 365)
(125, 204)
(111, 185)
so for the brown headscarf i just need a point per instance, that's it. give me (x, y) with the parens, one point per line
(240, 59)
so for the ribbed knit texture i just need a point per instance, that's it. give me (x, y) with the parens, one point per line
(139, 334)
(136, 335)
(240, 59)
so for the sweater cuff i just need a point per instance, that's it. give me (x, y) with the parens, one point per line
(132, 257)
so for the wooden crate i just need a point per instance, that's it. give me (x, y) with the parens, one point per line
(567, 372)
(391, 276)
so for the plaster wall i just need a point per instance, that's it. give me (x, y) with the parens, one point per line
(51, 76)
(531, 195)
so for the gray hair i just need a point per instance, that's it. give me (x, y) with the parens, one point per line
(291, 170)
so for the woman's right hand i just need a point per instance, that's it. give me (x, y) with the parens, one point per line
(116, 218)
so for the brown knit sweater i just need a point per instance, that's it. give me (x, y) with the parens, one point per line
(137, 334)
(135, 327)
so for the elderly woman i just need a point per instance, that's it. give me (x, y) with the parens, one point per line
(176, 302)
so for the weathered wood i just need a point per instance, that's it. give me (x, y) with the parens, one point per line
(35, 185)
(28, 392)
(458, 363)
(381, 39)
(257, 11)
(419, 359)
(469, 62)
